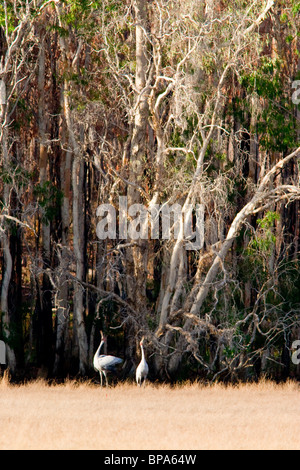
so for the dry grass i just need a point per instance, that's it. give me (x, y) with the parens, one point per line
(84, 416)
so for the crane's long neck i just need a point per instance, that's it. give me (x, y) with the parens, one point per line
(99, 348)
(143, 354)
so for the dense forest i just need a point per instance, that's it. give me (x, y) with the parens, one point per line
(113, 105)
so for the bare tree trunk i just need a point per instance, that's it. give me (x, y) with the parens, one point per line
(78, 234)
(297, 203)
(137, 254)
(45, 322)
(62, 314)
(42, 144)
(78, 229)
(252, 163)
(4, 235)
(11, 359)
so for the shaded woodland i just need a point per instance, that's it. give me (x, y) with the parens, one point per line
(164, 102)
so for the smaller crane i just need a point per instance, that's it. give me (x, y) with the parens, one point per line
(104, 363)
(142, 369)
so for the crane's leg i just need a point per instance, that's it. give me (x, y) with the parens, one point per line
(100, 373)
(106, 383)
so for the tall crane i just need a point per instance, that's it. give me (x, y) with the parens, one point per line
(142, 369)
(104, 363)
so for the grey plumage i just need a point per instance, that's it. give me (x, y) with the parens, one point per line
(104, 363)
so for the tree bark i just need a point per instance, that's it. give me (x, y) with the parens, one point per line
(45, 322)
(7, 273)
(77, 211)
(62, 314)
(137, 254)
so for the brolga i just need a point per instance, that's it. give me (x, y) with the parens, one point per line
(142, 369)
(104, 363)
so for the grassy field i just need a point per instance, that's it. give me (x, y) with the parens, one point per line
(84, 416)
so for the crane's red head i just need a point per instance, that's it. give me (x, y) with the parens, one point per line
(103, 338)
